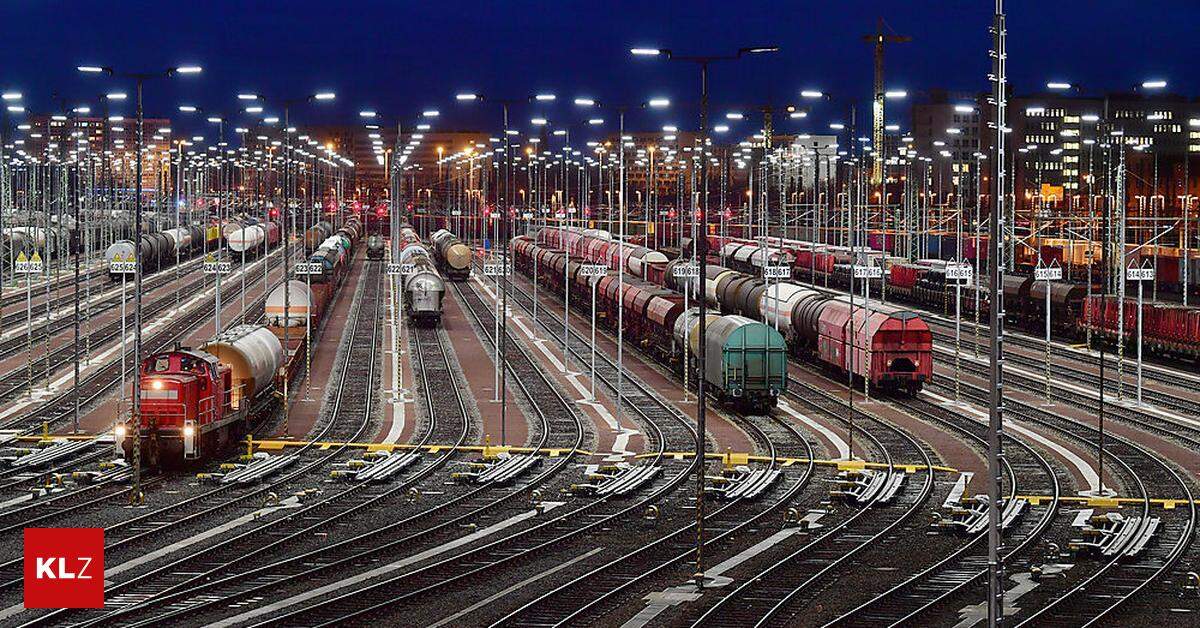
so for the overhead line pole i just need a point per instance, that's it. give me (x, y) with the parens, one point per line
(995, 604)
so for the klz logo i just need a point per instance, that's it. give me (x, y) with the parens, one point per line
(64, 568)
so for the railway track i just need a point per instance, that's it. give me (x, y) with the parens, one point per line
(1061, 372)
(1166, 373)
(14, 293)
(94, 387)
(17, 382)
(560, 427)
(1144, 419)
(1148, 477)
(776, 594)
(225, 568)
(59, 407)
(587, 597)
(1024, 470)
(62, 306)
(244, 574)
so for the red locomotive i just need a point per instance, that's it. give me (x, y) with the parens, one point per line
(194, 402)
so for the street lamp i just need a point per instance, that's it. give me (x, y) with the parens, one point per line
(219, 120)
(140, 78)
(703, 61)
(287, 215)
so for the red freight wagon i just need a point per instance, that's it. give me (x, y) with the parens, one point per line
(891, 350)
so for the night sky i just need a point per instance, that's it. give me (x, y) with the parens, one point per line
(400, 57)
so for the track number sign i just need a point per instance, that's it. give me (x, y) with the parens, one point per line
(868, 272)
(1050, 273)
(686, 271)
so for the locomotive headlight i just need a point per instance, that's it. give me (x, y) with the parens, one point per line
(120, 431)
(156, 384)
(189, 431)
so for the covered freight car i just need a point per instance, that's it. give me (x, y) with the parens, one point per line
(745, 362)
(888, 346)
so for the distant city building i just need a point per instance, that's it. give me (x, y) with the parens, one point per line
(61, 138)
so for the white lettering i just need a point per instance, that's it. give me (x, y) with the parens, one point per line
(43, 567)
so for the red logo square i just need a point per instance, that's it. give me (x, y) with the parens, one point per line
(64, 567)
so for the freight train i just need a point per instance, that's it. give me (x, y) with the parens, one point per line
(453, 257)
(161, 250)
(195, 402)
(422, 286)
(745, 361)
(924, 282)
(889, 347)
(95, 230)
(316, 234)
(335, 252)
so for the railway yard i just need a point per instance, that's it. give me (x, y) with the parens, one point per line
(605, 343)
(388, 474)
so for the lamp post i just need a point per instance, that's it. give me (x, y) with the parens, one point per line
(503, 196)
(140, 78)
(622, 205)
(11, 100)
(702, 62)
(285, 216)
(996, 224)
(219, 120)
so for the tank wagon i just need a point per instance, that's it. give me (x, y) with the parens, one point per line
(453, 258)
(422, 286)
(375, 248)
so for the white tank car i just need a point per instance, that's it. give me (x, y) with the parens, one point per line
(423, 290)
(246, 239)
(254, 356)
(300, 301)
(181, 239)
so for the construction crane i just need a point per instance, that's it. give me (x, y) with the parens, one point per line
(879, 38)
